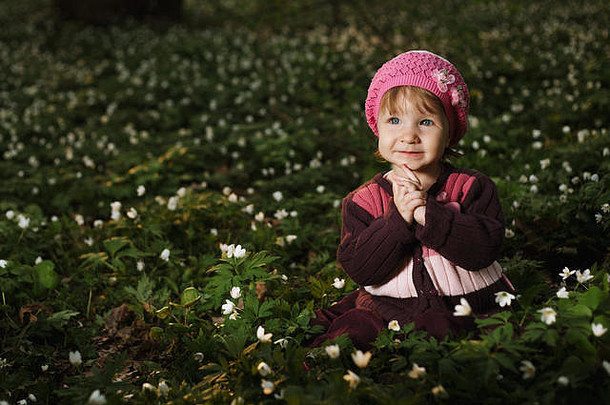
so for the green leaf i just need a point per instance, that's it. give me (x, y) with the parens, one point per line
(446, 368)
(581, 343)
(551, 337)
(579, 311)
(130, 252)
(115, 244)
(61, 318)
(46, 274)
(504, 361)
(189, 296)
(593, 297)
(496, 319)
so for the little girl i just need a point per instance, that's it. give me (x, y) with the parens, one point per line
(425, 234)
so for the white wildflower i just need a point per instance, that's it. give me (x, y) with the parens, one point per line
(463, 308)
(23, 221)
(439, 391)
(361, 359)
(268, 387)
(75, 358)
(563, 380)
(394, 325)
(149, 387)
(172, 203)
(165, 255)
(504, 298)
(132, 213)
(333, 351)
(339, 283)
(263, 369)
(417, 371)
(115, 210)
(280, 214)
(239, 252)
(562, 293)
(353, 379)
(565, 273)
(262, 336)
(278, 196)
(164, 388)
(598, 329)
(141, 190)
(584, 276)
(548, 315)
(97, 398)
(228, 307)
(282, 342)
(528, 369)
(140, 265)
(235, 292)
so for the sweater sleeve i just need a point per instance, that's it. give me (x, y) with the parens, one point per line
(373, 249)
(471, 238)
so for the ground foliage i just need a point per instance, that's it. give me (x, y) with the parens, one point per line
(135, 160)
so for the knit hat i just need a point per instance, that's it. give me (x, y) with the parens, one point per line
(428, 71)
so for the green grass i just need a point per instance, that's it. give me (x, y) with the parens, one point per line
(213, 121)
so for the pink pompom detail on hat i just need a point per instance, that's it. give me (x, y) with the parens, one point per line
(428, 71)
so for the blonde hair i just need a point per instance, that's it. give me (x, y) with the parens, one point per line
(394, 100)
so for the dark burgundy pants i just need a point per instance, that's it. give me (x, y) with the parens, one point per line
(347, 316)
(353, 315)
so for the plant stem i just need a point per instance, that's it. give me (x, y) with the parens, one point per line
(89, 301)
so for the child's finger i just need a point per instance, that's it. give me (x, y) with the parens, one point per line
(417, 194)
(410, 175)
(405, 183)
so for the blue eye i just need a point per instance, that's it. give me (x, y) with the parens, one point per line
(426, 122)
(394, 121)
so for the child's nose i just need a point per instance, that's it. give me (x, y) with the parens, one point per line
(409, 135)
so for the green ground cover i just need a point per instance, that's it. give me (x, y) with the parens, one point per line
(135, 160)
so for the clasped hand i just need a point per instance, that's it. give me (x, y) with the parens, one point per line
(409, 197)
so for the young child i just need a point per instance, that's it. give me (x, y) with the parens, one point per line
(425, 234)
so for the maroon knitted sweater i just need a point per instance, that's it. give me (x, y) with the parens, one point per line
(406, 270)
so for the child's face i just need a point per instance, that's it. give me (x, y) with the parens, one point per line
(413, 137)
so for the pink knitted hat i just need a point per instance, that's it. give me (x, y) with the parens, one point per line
(428, 71)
